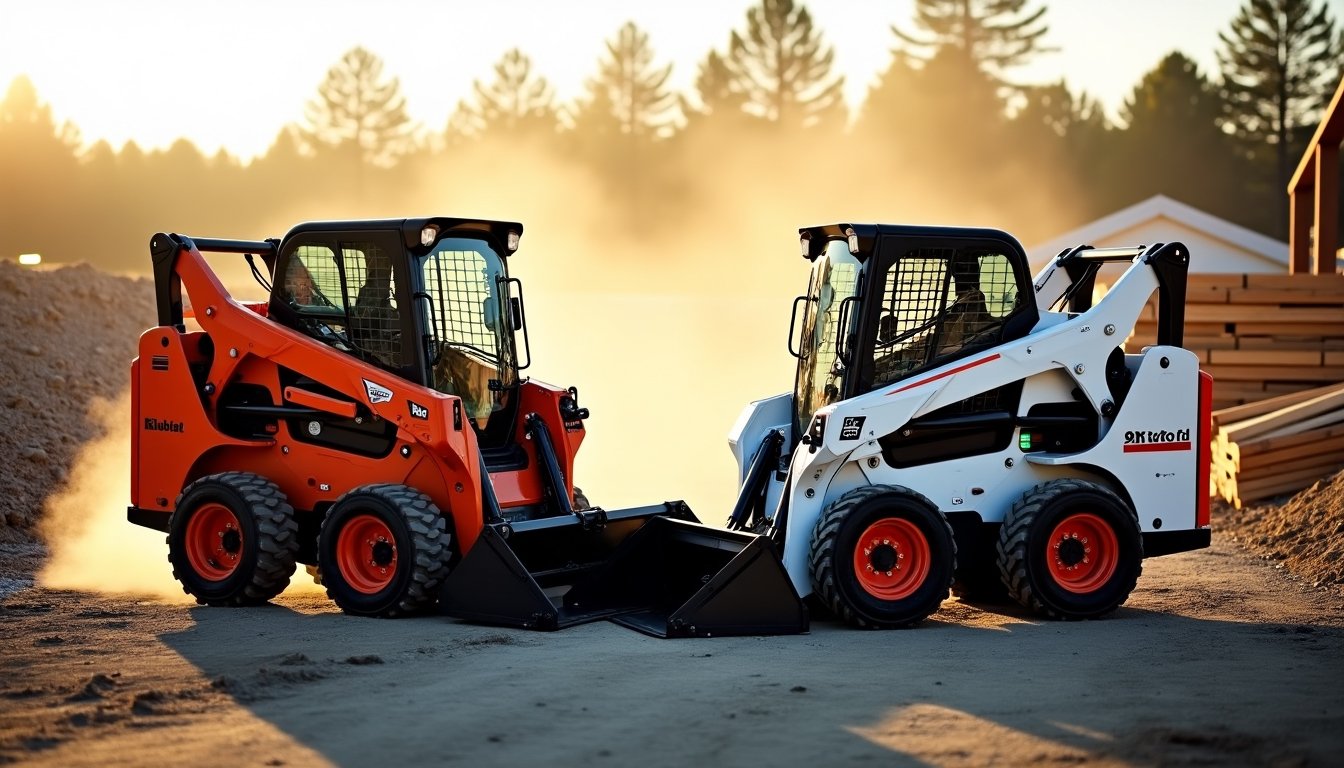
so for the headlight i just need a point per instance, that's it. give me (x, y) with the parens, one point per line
(514, 237)
(429, 234)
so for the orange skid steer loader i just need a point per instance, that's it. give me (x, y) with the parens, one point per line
(371, 420)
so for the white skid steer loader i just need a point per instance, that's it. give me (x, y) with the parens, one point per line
(954, 420)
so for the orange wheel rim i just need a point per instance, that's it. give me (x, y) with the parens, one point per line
(214, 542)
(892, 559)
(1083, 553)
(366, 554)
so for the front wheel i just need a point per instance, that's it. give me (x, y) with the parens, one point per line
(882, 557)
(232, 539)
(383, 551)
(1070, 549)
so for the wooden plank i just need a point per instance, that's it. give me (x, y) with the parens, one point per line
(1316, 422)
(1233, 452)
(1283, 297)
(1226, 341)
(1241, 413)
(1333, 358)
(1297, 282)
(1265, 357)
(1191, 329)
(1288, 466)
(1286, 483)
(1278, 372)
(1293, 414)
(1291, 329)
(1268, 459)
(1284, 342)
(1214, 281)
(1250, 313)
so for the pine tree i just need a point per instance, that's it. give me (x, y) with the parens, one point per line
(517, 104)
(357, 113)
(992, 35)
(780, 69)
(630, 89)
(1280, 63)
(39, 166)
(1171, 143)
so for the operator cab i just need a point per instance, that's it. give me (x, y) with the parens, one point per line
(427, 299)
(886, 302)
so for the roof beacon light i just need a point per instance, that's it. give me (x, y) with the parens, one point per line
(514, 237)
(429, 234)
(853, 241)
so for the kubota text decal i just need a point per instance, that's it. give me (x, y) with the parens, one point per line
(1144, 440)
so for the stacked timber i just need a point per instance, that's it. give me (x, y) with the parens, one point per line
(1260, 335)
(1279, 445)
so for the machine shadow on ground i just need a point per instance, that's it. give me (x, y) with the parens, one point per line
(972, 686)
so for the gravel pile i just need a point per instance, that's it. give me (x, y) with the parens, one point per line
(1305, 533)
(69, 336)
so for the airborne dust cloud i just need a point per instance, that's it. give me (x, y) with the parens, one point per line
(667, 327)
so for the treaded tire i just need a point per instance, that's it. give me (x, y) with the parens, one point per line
(1035, 575)
(836, 545)
(418, 539)
(266, 541)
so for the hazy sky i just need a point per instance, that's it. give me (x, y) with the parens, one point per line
(230, 74)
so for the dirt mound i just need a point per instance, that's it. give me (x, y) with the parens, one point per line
(70, 335)
(1306, 532)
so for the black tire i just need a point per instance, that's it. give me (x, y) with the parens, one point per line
(1082, 576)
(253, 526)
(857, 598)
(408, 552)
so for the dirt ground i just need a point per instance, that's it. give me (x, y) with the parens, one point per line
(1228, 656)
(1218, 659)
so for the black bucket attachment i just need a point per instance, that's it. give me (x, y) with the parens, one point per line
(515, 572)
(670, 578)
(674, 578)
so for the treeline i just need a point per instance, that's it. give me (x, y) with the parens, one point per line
(946, 134)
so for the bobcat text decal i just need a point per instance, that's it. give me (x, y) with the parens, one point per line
(164, 425)
(1143, 441)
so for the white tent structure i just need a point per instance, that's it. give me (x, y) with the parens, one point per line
(1216, 245)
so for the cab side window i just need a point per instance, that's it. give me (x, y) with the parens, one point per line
(938, 304)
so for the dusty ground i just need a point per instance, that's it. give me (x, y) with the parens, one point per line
(1230, 656)
(1218, 659)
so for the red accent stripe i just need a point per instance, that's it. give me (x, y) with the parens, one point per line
(945, 374)
(1205, 450)
(1150, 447)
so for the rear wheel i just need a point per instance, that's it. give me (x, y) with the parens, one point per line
(383, 551)
(232, 539)
(882, 557)
(1071, 549)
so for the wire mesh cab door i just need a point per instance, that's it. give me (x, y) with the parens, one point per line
(345, 289)
(936, 299)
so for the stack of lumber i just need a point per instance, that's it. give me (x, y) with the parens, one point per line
(1260, 335)
(1279, 445)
